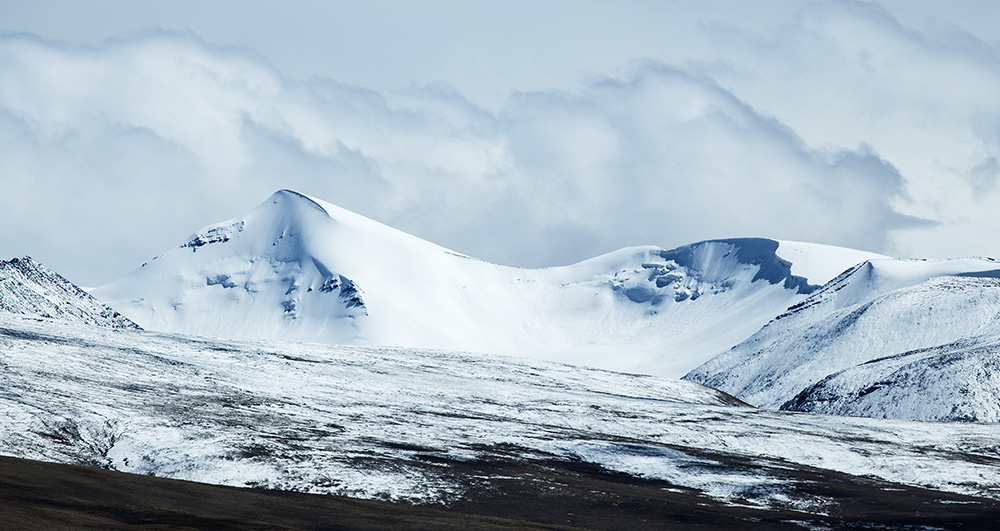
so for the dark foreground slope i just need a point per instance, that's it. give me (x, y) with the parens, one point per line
(49, 496)
(561, 495)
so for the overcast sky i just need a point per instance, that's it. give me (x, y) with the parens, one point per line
(527, 133)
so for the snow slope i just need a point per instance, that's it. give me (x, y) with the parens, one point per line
(385, 422)
(29, 288)
(879, 309)
(955, 382)
(298, 268)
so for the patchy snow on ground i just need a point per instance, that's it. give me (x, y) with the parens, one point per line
(363, 421)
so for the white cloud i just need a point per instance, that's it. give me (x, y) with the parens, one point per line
(826, 132)
(845, 73)
(668, 157)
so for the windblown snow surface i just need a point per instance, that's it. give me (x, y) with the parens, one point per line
(888, 338)
(376, 422)
(959, 381)
(297, 268)
(29, 288)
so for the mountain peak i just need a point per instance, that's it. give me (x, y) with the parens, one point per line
(280, 219)
(291, 199)
(299, 268)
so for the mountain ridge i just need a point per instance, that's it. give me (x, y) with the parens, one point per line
(269, 275)
(847, 335)
(29, 288)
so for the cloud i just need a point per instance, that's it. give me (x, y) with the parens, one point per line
(142, 141)
(115, 152)
(666, 157)
(845, 73)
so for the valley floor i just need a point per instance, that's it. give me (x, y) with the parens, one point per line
(448, 438)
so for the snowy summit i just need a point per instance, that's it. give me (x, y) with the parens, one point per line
(298, 268)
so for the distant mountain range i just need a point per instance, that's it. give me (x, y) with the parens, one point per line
(298, 268)
(777, 324)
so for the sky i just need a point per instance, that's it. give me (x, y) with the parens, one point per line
(524, 133)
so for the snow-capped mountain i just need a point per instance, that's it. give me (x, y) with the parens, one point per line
(405, 424)
(748, 315)
(886, 338)
(29, 288)
(298, 268)
(883, 330)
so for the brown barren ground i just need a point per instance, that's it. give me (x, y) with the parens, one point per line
(513, 495)
(506, 495)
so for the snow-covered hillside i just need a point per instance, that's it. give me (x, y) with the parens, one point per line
(29, 288)
(399, 423)
(956, 382)
(879, 309)
(298, 268)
